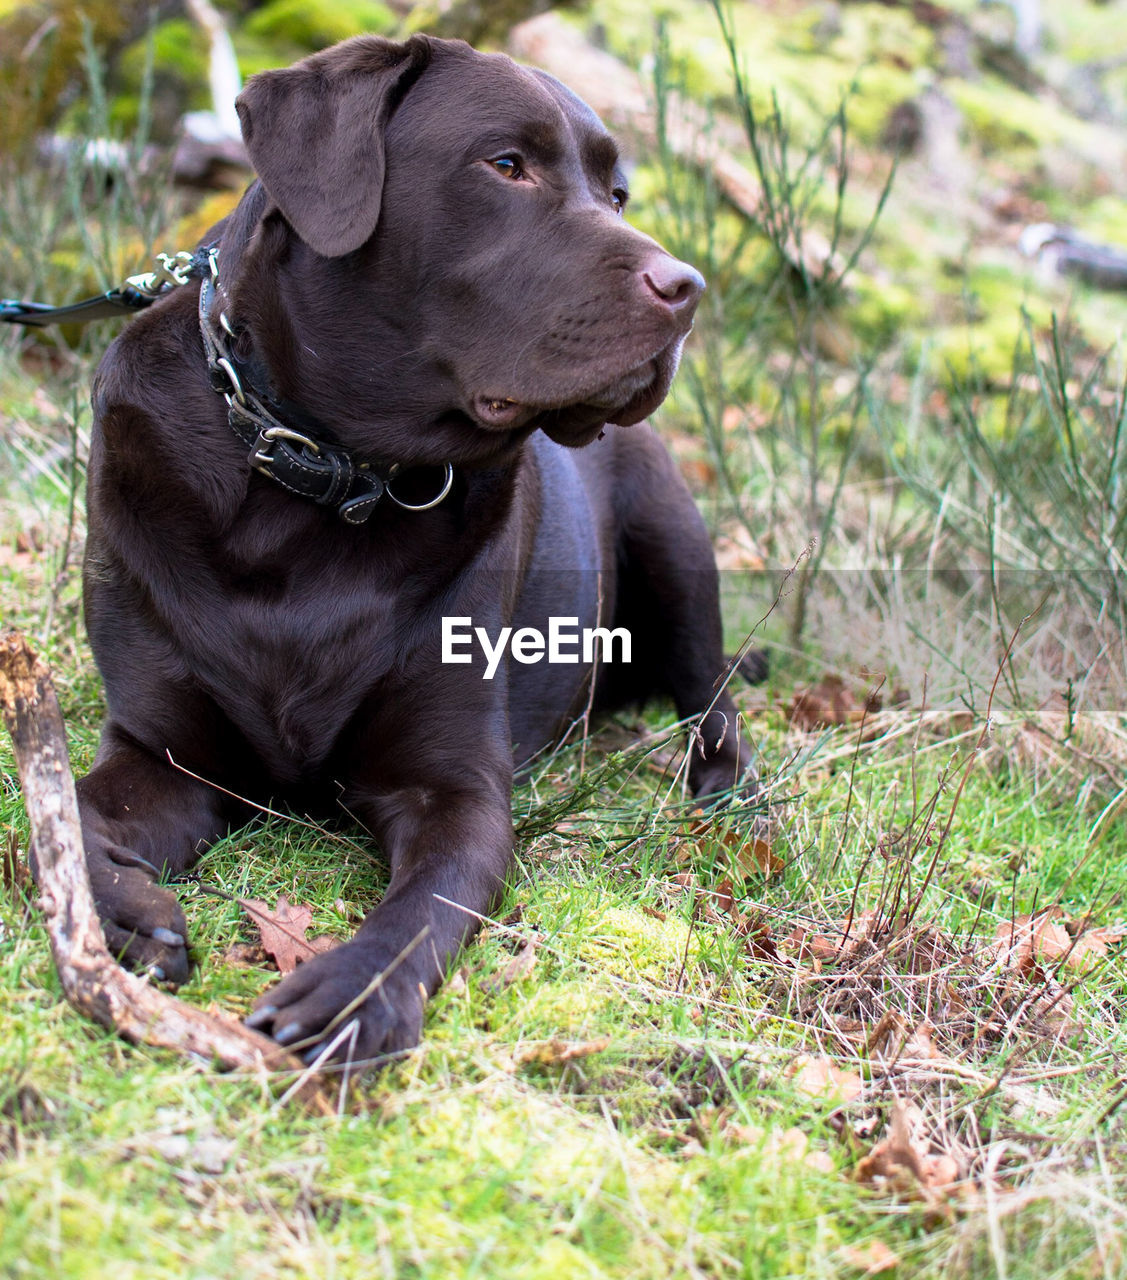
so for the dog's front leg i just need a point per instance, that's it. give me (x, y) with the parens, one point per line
(450, 849)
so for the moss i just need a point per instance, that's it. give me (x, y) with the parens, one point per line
(975, 354)
(191, 228)
(1105, 219)
(313, 24)
(875, 33)
(879, 89)
(1002, 118)
(880, 310)
(632, 945)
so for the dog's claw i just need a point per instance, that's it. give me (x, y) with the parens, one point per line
(170, 939)
(127, 858)
(157, 972)
(289, 1033)
(260, 1017)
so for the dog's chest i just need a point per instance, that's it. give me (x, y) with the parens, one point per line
(290, 650)
(297, 670)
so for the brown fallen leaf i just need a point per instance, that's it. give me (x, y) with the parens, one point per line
(813, 948)
(283, 932)
(820, 1078)
(785, 1145)
(553, 1052)
(872, 1258)
(520, 966)
(1022, 943)
(747, 844)
(887, 1035)
(920, 1044)
(828, 702)
(725, 899)
(760, 943)
(901, 1165)
(1092, 945)
(244, 955)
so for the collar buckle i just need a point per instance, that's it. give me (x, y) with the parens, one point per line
(262, 451)
(315, 469)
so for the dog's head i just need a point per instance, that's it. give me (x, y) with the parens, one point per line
(454, 235)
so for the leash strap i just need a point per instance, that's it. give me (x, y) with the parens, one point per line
(137, 293)
(312, 468)
(105, 306)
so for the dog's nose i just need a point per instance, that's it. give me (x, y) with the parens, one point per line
(677, 284)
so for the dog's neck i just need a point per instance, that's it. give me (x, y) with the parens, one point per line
(339, 354)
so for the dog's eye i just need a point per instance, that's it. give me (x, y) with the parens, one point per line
(508, 167)
(619, 197)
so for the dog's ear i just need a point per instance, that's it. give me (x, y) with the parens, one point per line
(315, 135)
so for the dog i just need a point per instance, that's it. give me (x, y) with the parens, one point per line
(403, 409)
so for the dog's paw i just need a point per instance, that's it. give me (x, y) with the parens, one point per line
(368, 1007)
(723, 780)
(142, 923)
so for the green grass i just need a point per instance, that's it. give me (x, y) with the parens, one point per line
(668, 1150)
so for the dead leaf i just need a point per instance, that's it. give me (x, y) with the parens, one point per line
(1041, 937)
(900, 1164)
(820, 1161)
(244, 955)
(698, 473)
(519, 967)
(747, 845)
(724, 898)
(921, 1043)
(553, 1052)
(890, 1027)
(894, 1161)
(1092, 945)
(819, 1078)
(283, 932)
(737, 549)
(779, 1144)
(872, 1258)
(760, 943)
(828, 702)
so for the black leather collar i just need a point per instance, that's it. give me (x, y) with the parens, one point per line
(306, 464)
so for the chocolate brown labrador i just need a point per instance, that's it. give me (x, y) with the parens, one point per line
(315, 477)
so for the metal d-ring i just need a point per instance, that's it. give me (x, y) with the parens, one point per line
(424, 506)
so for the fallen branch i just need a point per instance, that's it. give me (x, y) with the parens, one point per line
(94, 983)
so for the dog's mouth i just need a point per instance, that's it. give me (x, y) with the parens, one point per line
(623, 402)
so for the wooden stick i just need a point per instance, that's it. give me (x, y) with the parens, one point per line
(94, 983)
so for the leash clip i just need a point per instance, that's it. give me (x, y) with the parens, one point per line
(173, 270)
